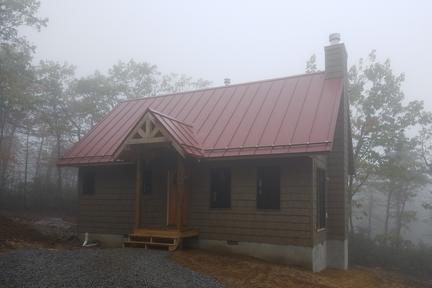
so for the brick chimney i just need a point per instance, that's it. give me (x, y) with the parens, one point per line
(335, 57)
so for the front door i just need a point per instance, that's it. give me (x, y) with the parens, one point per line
(173, 198)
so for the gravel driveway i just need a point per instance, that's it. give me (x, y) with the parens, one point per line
(124, 267)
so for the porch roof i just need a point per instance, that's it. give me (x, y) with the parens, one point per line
(278, 116)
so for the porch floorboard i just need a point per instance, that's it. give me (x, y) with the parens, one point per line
(166, 232)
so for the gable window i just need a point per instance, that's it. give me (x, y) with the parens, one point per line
(88, 183)
(268, 188)
(321, 199)
(220, 188)
(146, 184)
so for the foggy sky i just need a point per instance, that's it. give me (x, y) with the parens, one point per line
(242, 40)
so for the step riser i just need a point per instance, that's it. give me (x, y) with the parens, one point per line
(152, 239)
(145, 245)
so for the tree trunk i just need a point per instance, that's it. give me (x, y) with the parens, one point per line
(38, 160)
(370, 209)
(387, 214)
(26, 169)
(5, 164)
(401, 201)
(3, 117)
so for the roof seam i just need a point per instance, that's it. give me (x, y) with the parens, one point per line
(117, 111)
(192, 106)
(301, 109)
(244, 114)
(271, 112)
(316, 111)
(222, 110)
(132, 125)
(205, 104)
(117, 121)
(171, 128)
(208, 116)
(258, 113)
(286, 111)
(186, 102)
(232, 114)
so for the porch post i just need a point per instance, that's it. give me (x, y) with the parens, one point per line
(138, 186)
(180, 192)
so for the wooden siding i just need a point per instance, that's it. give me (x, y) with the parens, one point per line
(110, 210)
(153, 206)
(289, 225)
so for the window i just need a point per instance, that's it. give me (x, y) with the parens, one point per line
(321, 199)
(268, 188)
(88, 183)
(220, 188)
(146, 182)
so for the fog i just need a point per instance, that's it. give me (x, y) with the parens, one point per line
(93, 56)
(242, 40)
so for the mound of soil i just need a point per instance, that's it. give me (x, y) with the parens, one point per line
(13, 231)
(36, 232)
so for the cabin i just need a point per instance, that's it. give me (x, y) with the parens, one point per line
(256, 168)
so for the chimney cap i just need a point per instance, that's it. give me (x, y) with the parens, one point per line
(227, 81)
(334, 38)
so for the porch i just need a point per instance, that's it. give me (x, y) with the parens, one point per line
(165, 237)
(161, 186)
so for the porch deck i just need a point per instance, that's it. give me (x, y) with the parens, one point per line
(168, 232)
(168, 237)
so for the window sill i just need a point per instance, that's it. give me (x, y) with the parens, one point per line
(268, 209)
(321, 230)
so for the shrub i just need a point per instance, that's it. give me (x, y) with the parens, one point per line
(403, 257)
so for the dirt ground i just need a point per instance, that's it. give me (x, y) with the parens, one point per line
(230, 270)
(247, 272)
(27, 232)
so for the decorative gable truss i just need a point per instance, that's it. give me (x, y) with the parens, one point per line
(147, 131)
(155, 127)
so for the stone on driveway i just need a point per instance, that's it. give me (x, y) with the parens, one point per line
(123, 267)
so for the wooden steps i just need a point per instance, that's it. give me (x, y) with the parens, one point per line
(159, 237)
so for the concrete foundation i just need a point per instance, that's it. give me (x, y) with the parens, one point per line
(319, 257)
(106, 240)
(310, 257)
(337, 254)
(328, 253)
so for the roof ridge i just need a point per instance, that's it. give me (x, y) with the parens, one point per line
(223, 86)
(169, 117)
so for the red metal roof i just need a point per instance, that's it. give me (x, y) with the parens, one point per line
(182, 133)
(279, 116)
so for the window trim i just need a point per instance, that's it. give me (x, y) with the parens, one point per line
(271, 209)
(211, 202)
